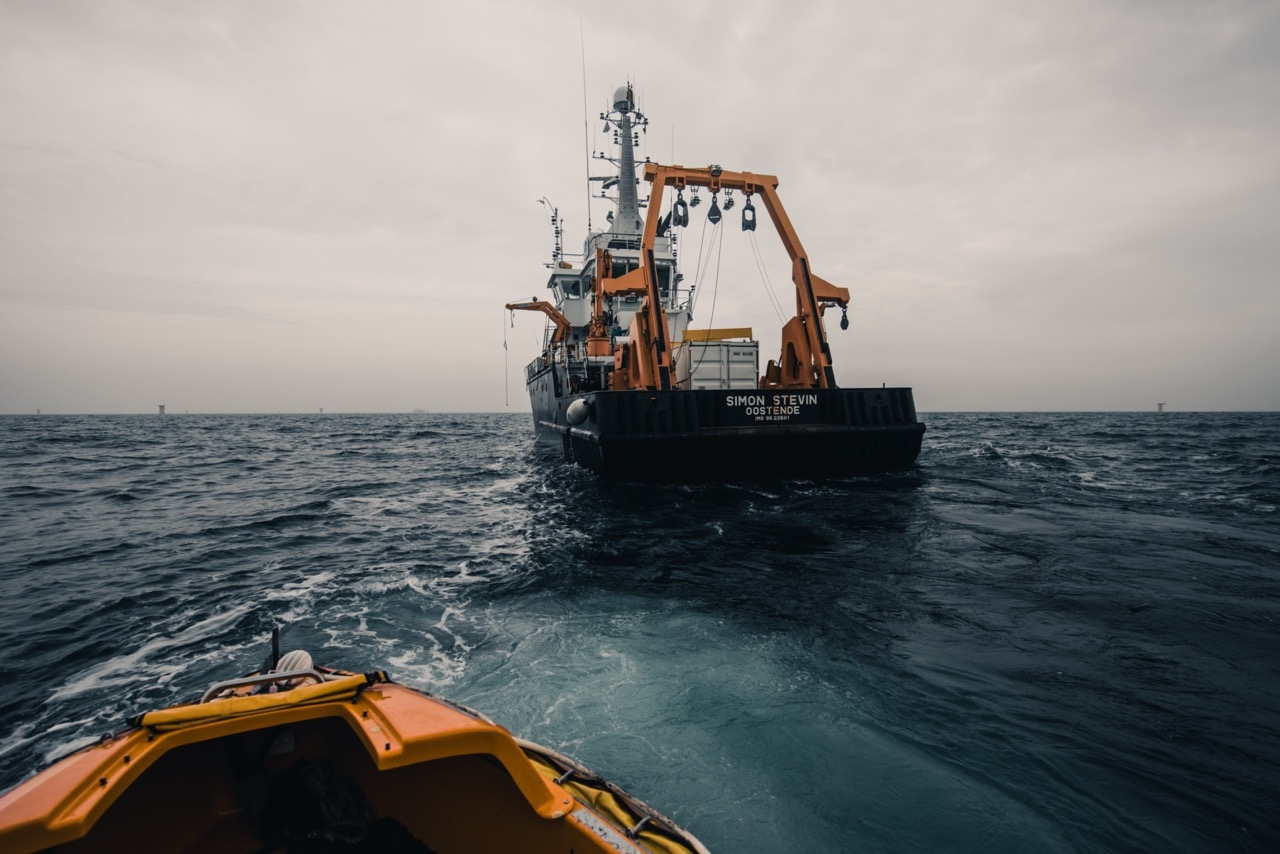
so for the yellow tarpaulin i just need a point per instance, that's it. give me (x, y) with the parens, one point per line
(183, 716)
(717, 334)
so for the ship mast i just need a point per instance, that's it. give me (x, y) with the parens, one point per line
(625, 118)
(628, 219)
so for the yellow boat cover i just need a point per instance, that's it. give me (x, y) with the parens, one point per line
(178, 717)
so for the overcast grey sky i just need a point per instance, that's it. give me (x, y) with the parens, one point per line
(282, 206)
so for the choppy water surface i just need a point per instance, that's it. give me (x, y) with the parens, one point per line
(1059, 632)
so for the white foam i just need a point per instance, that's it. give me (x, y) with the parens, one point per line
(126, 669)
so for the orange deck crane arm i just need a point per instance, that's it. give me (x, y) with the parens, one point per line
(562, 323)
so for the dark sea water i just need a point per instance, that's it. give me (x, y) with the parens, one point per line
(1060, 632)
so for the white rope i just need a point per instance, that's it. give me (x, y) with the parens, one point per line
(764, 277)
(715, 292)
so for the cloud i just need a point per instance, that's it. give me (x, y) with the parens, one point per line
(1036, 205)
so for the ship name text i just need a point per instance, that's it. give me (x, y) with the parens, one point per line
(770, 407)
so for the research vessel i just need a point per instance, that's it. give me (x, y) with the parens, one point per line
(631, 389)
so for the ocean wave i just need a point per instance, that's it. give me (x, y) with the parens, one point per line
(1053, 633)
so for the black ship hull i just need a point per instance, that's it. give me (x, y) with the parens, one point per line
(729, 435)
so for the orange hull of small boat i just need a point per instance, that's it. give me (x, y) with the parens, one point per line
(207, 777)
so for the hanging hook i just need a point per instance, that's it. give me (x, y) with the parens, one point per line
(713, 215)
(844, 317)
(680, 211)
(748, 216)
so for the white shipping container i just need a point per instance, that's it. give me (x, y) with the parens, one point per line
(717, 364)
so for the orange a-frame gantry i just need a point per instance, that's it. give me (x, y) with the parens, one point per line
(645, 361)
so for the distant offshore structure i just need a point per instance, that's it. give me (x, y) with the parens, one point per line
(1160, 406)
(162, 409)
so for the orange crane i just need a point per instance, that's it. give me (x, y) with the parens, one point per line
(805, 360)
(562, 323)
